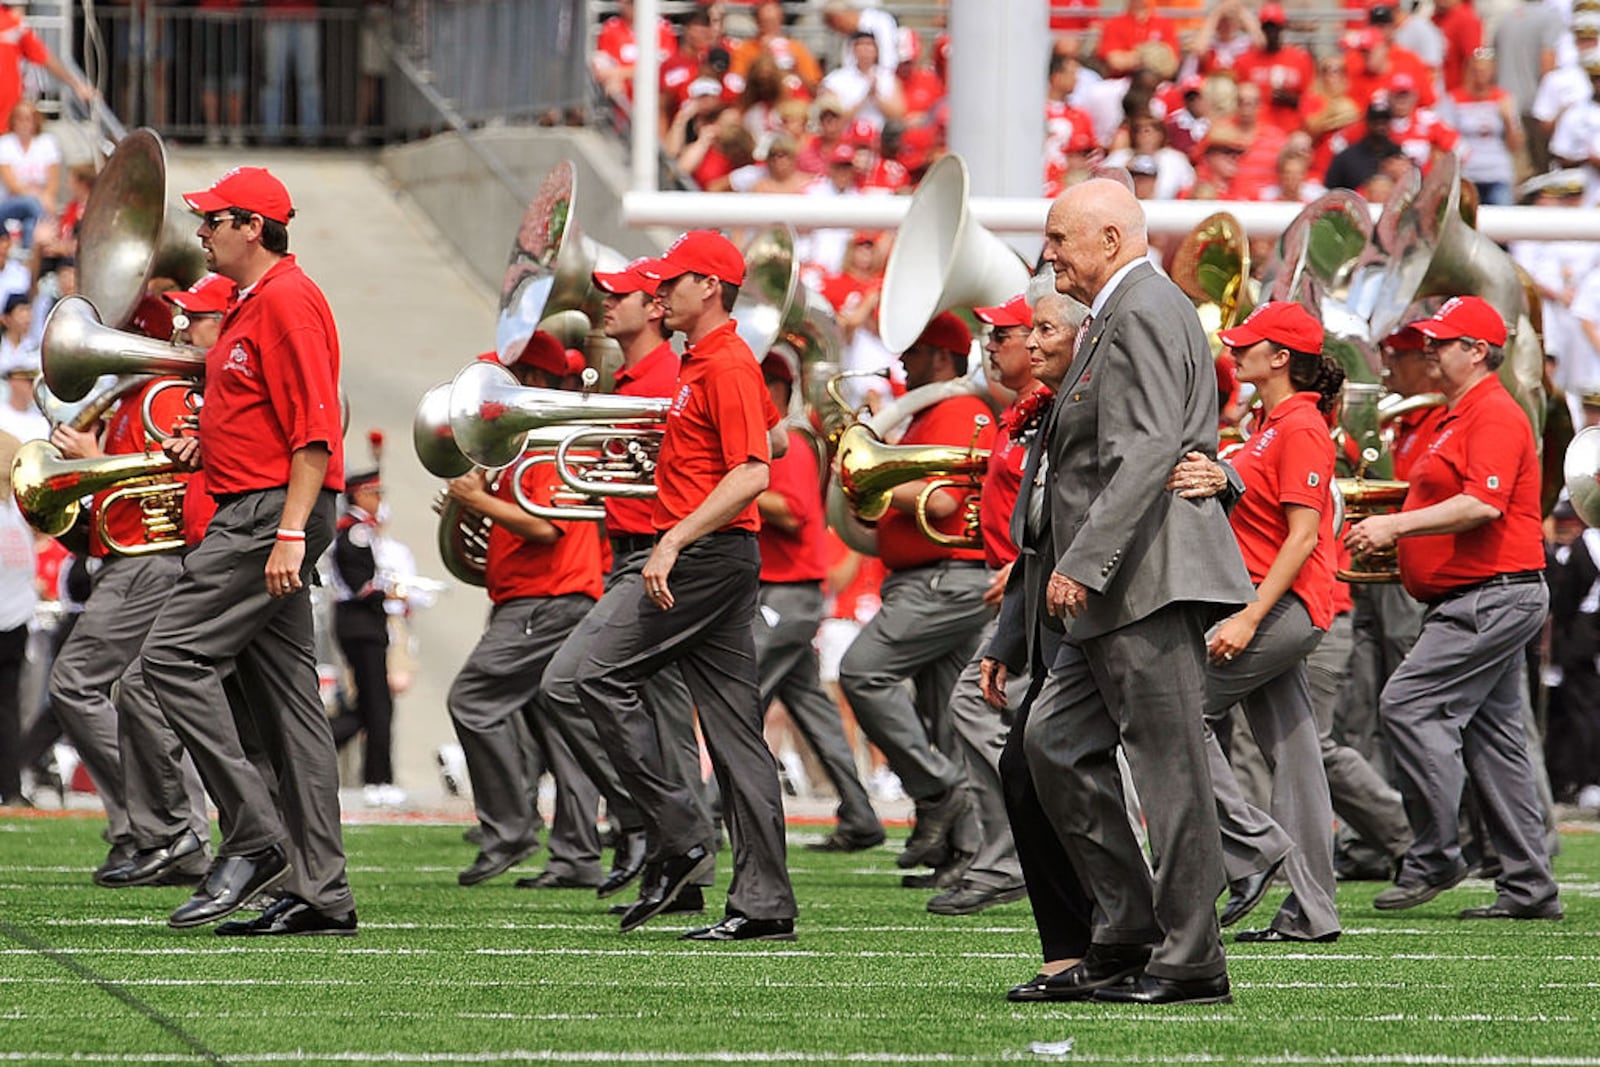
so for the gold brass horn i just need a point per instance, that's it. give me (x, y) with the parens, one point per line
(870, 471)
(160, 504)
(48, 488)
(76, 349)
(1212, 267)
(550, 264)
(1360, 498)
(943, 259)
(490, 413)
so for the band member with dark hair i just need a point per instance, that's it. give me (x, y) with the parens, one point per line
(698, 607)
(1471, 547)
(361, 626)
(932, 615)
(272, 447)
(543, 577)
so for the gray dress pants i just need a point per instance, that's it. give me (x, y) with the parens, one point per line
(498, 683)
(219, 615)
(1139, 686)
(982, 732)
(926, 630)
(708, 633)
(1269, 679)
(1455, 706)
(786, 630)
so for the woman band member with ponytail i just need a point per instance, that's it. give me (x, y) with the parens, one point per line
(1284, 524)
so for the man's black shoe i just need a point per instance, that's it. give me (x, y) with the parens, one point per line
(1032, 989)
(626, 864)
(1148, 989)
(689, 901)
(674, 874)
(149, 866)
(967, 899)
(947, 875)
(935, 818)
(120, 856)
(1399, 897)
(1103, 965)
(230, 883)
(1550, 909)
(292, 917)
(486, 866)
(1247, 892)
(839, 841)
(1271, 936)
(740, 928)
(552, 880)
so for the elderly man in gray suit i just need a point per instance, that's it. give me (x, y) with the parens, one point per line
(1140, 573)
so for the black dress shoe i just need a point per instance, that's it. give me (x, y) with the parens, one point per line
(1149, 989)
(741, 928)
(1550, 909)
(1031, 990)
(120, 856)
(947, 875)
(672, 876)
(626, 864)
(1103, 965)
(1269, 935)
(292, 917)
(486, 866)
(839, 841)
(927, 844)
(970, 899)
(230, 883)
(149, 866)
(1246, 893)
(1398, 897)
(553, 880)
(689, 901)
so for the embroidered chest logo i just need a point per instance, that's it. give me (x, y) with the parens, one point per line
(680, 401)
(1263, 441)
(239, 360)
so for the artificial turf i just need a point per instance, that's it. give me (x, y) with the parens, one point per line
(441, 974)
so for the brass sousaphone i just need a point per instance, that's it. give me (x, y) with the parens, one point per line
(1212, 267)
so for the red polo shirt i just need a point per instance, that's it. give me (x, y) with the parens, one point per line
(901, 545)
(17, 42)
(655, 375)
(272, 385)
(125, 437)
(719, 419)
(519, 568)
(1001, 483)
(1483, 447)
(798, 556)
(1413, 431)
(1289, 69)
(198, 508)
(1289, 461)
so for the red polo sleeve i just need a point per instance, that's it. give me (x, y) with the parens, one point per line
(1305, 469)
(299, 372)
(740, 408)
(1488, 468)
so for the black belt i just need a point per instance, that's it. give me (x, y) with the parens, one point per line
(1514, 578)
(628, 544)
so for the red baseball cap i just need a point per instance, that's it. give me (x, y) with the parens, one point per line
(251, 188)
(545, 353)
(777, 368)
(1282, 322)
(842, 153)
(948, 332)
(1401, 82)
(1464, 316)
(698, 252)
(151, 317)
(1272, 14)
(1014, 312)
(630, 279)
(210, 295)
(861, 134)
(577, 362)
(1406, 339)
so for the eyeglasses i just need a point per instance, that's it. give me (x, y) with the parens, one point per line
(213, 220)
(1434, 344)
(999, 335)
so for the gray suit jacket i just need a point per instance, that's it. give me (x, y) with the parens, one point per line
(1140, 394)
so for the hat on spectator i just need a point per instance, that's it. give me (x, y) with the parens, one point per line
(1272, 15)
(842, 153)
(1378, 107)
(367, 479)
(210, 295)
(630, 279)
(1143, 166)
(948, 333)
(1401, 82)
(543, 352)
(1283, 322)
(861, 134)
(909, 45)
(252, 189)
(1406, 339)
(1014, 312)
(1464, 316)
(698, 252)
(774, 368)
(704, 87)
(1361, 40)
(152, 317)
(14, 301)
(1380, 13)
(1585, 23)
(1082, 140)
(828, 103)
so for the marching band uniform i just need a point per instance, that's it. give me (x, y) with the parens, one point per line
(927, 630)
(789, 615)
(274, 459)
(361, 627)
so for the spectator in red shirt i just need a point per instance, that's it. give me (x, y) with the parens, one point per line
(817, 152)
(1217, 173)
(1263, 141)
(681, 68)
(1284, 72)
(920, 85)
(271, 443)
(1229, 32)
(1373, 62)
(17, 43)
(1330, 111)
(1421, 134)
(1458, 21)
(1121, 36)
(616, 51)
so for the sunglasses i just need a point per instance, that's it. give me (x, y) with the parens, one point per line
(238, 216)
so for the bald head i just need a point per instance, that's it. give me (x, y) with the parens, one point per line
(1094, 230)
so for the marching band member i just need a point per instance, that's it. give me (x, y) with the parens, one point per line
(995, 875)
(928, 627)
(698, 606)
(790, 612)
(543, 578)
(1284, 525)
(272, 447)
(134, 784)
(1470, 547)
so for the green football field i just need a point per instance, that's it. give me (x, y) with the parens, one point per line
(495, 974)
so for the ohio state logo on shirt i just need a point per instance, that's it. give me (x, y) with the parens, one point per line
(239, 360)
(680, 401)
